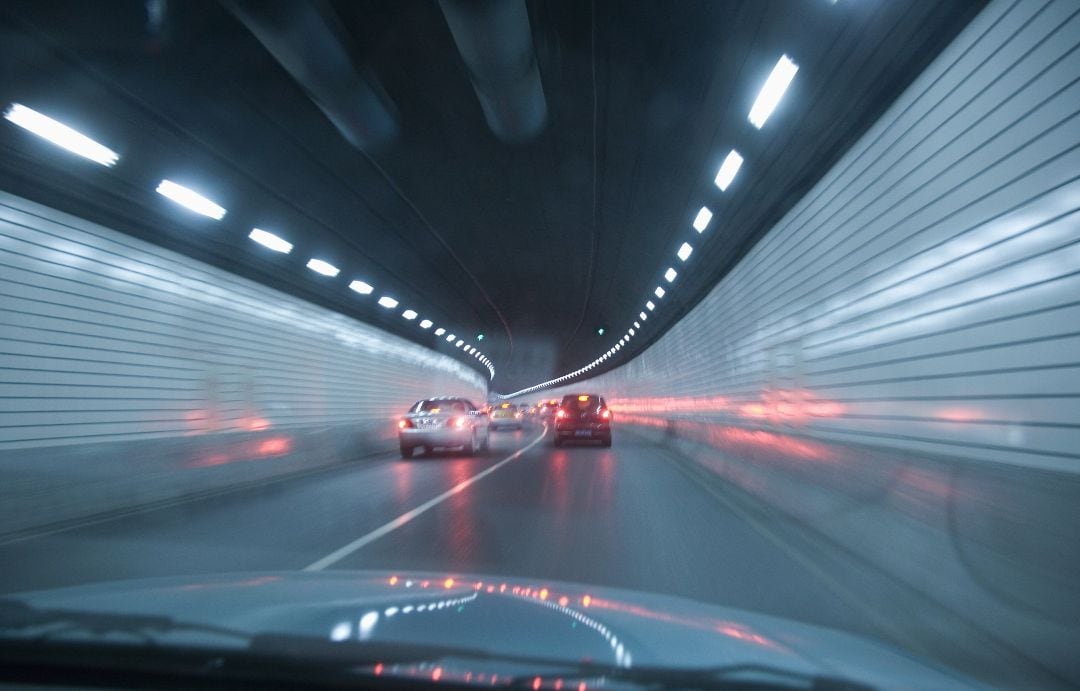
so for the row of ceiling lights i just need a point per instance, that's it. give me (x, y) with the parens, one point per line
(78, 143)
(767, 100)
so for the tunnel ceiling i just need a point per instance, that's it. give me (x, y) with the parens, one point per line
(535, 243)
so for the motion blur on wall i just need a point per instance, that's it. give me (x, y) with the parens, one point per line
(131, 374)
(900, 351)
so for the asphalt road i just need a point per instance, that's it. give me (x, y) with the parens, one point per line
(630, 516)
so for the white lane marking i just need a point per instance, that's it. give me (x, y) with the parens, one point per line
(387, 528)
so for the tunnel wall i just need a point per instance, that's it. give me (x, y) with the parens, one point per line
(130, 374)
(896, 364)
(925, 295)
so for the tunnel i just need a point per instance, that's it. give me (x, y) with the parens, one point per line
(736, 339)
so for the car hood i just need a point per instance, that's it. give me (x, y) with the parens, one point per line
(504, 617)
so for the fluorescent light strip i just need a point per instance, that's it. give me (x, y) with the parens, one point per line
(270, 241)
(190, 199)
(450, 338)
(701, 221)
(772, 91)
(670, 275)
(324, 268)
(728, 169)
(361, 287)
(643, 316)
(426, 324)
(637, 325)
(650, 306)
(685, 251)
(440, 331)
(60, 134)
(409, 314)
(388, 302)
(659, 292)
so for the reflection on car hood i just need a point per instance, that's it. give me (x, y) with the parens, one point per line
(504, 617)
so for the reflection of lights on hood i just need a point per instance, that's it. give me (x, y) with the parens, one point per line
(367, 625)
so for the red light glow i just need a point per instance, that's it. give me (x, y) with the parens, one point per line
(436, 674)
(586, 601)
(581, 686)
(275, 446)
(543, 593)
(560, 413)
(378, 669)
(393, 580)
(536, 684)
(564, 601)
(448, 583)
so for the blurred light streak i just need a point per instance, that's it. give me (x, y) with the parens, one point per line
(190, 199)
(60, 134)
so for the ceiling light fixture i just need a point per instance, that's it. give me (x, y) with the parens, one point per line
(670, 275)
(685, 251)
(60, 134)
(190, 199)
(426, 324)
(409, 314)
(361, 287)
(388, 302)
(772, 91)
(728, 169)
(270, 241)
(440, 331)
(659, 292)
(323, 268)
(701, 221)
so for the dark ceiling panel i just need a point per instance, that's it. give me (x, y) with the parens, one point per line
(533, 244)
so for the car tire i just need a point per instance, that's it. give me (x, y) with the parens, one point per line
(469, 448)
(605, 442)
(407, 451)
(486, 445)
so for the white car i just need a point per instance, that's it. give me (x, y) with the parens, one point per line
(444, 422)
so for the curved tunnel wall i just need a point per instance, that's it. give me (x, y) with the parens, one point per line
(131, 374)
(896, 365)
(923, 295)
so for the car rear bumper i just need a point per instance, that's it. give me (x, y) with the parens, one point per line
(583, 431)
(443, 436)
(506, 422)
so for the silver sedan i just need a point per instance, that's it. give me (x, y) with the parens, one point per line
(443, 422)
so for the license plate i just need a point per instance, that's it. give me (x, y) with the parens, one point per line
(583, 433)
(428, 423)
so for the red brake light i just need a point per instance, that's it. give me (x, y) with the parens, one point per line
(459, 422)
(404, 424)
(606, 414)
(560, 413)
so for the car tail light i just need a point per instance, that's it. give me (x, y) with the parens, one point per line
(560, 413)
(458, 423)
(605, 414)
(405, 424)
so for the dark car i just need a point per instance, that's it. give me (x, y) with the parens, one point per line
(583, 417)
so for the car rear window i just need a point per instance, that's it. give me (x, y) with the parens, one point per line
(439, 407)
(581, 402)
